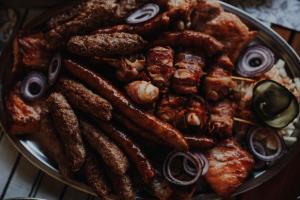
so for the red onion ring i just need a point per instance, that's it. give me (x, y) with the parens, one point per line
(33, 86)
(204, 163)
(143, 14)
(170, 177)
(259, 164)
(54, 69)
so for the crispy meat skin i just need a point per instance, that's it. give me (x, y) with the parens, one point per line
(85, 100)
(229, 167)
(94, 176)
(106, 44)
(161, 130)
(189, 67)
(25, 116)
(67, 126)
(140, 161)
(200, 142)
(231, 31)
(111, 154)
(221, 118)
(191, 39)
(218, 84)
(160, 66)
(51, 145)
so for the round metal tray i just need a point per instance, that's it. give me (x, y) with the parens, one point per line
(266, 35)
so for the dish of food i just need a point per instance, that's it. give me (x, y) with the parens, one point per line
(172, 99)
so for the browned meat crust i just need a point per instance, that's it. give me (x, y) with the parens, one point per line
(140, 161)
(200, 142)
(111, 155)
(51, 145)
(106, 44)
(85, 100)
(161, 130)
(159, 66)
(161, 189)
(229, 167)
(25, 116)
(207, 43)
(67, 126)
(123, 186)
(94, 176)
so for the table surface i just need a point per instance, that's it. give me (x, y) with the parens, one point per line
(19, 178)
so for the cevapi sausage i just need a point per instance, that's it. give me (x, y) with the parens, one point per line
(161, 130)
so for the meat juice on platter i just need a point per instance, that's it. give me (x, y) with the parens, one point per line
(173, 98)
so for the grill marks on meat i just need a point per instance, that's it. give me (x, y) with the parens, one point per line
(221, 118)
(218, 84)
(186, 78)
(159, 66)
(25, 116)
(111, 155)
(229, 167)
(207, 43)
(106, 44)
(67, 126)
(85, 100)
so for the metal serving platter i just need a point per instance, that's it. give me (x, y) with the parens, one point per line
(30, 150)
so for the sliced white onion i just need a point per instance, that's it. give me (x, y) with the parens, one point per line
(143, 14)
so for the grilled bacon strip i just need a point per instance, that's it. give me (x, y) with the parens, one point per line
(161, 130)
(67, 126)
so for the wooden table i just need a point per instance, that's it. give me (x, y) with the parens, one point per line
(19, 178)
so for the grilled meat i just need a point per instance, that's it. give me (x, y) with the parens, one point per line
(67, 126)
(229, 166)
(52, 146)
(106, 44)
(205, 42)
(200, 142)
(225, 62)
(221, 118)
(159, 66)
(25, 117)
(123, 186)
(186, 78)
(218, 84)
(142, 92)
(85, 100)
(161, 189)
(111, 155)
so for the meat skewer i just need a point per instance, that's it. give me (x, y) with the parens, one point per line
(161, 130)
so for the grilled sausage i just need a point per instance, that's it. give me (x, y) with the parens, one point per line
(67, 126)
(112, 156)
(161, 189)
(85, 100)
(133, 151)
(161, 130)
(123, 186)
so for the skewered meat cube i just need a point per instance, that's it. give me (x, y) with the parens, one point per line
(142, 92)
(85, 100)
(229, 166)
(205, 42)
(221, 118)
(186, 78)
(218, 84)
(25, 116)
(67, 126)
(106, 44)
(160, 66)
(231, 31)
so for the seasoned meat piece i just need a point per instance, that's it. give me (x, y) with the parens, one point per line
(25, 116)
(200, 142)
(161, 188)
(231, 31)
(205, 42)
(123, 186)
(30, 52)
(47, 138)
(111, 155)
(160, 66)
(94, 176)
(85, 100)
(225, 62)
(169, 107)
(142, 92)
(229, 166)
(106, 44)
(218, 84)
(221, 118)
(186, 78)
(67, 126)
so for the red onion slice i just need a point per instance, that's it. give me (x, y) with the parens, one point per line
(33, 86)
(143, 14)
(167, 172)
(54, 69)
(192, 171)
(259, 164)
(256, 60)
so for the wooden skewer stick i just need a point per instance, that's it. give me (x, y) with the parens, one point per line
(245, 121)
(238, 78)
